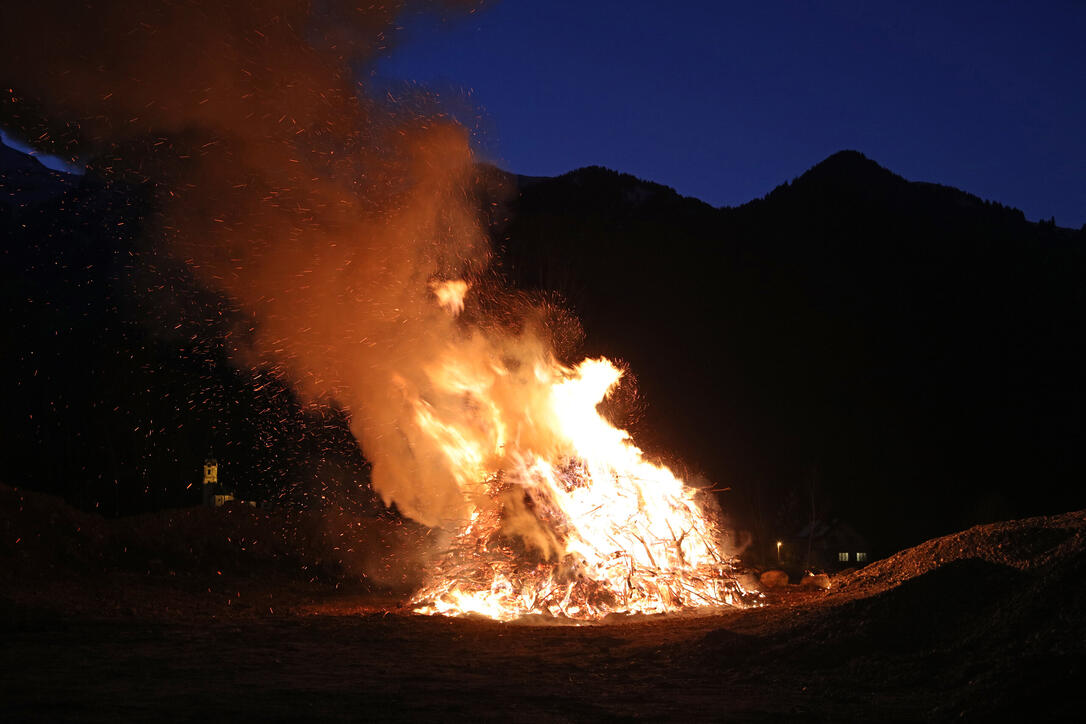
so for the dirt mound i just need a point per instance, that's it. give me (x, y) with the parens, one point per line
(39, 531)
(987, 622)
(1025, 545)
(999, 610)
(41, 536)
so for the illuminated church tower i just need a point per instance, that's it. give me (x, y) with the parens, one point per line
(214, 494)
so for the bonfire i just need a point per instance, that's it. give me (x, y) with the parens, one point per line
(580, 527)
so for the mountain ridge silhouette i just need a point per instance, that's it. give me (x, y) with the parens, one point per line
(906, 349)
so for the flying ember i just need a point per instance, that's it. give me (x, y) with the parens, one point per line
(569, 519)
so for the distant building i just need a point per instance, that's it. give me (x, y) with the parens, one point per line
(833, 545)
(216, 494)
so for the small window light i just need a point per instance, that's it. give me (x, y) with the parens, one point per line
(843, 557)
(861, 557)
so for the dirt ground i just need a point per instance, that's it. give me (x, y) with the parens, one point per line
(987, 624)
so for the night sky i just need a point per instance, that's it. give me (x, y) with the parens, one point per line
(723, 101)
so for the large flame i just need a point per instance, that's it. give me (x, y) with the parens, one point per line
(567, 517)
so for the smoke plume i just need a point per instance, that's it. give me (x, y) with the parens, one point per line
(333, 218)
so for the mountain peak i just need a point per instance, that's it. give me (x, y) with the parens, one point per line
(852, 166)
(845, 174)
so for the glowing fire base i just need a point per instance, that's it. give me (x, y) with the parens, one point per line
(488, 572)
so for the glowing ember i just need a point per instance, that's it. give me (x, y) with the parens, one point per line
(450, 295)
(568, 519)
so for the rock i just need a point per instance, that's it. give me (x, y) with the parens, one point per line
(749, 582)
(774, 579)
(820, 580)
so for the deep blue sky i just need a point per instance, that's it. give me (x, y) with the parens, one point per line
(723, 100)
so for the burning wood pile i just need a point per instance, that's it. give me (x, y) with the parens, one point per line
(590, 529)
(487, 572)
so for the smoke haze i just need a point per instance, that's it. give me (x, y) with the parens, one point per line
(326, 215)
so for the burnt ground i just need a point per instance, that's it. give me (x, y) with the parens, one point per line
(178, 617)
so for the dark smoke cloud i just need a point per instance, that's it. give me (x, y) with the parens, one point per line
(324, 213)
